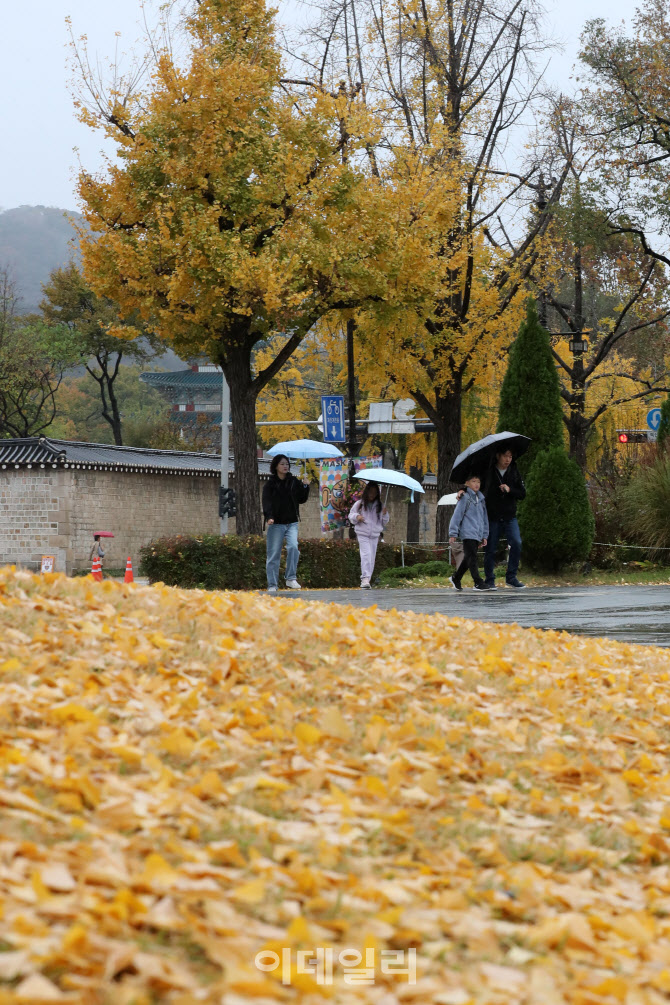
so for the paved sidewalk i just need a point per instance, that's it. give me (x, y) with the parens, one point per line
(625, 613)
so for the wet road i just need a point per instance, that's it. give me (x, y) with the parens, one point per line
(626, 613)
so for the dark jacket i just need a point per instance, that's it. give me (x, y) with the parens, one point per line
(282, 497)
(502, 505)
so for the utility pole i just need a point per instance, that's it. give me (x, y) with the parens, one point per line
(225, 444)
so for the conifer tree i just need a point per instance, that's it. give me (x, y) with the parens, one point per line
(555, 518)
(530, 400)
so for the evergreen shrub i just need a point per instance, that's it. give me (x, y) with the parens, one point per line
(212, 562)
(555, 519)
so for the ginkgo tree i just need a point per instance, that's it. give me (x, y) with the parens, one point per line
(233, 214)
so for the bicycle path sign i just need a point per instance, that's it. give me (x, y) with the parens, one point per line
(654, 418)
(332, 414)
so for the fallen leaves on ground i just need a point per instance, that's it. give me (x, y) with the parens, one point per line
(190, 779)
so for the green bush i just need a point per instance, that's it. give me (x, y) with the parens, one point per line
(238, 563)
(645, 504)
(555, 518)
(435, 568)
(389, 577)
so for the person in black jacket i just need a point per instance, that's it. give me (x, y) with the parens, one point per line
(282, 496)
(503, 487)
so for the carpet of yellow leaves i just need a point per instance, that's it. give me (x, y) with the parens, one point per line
(189, 778)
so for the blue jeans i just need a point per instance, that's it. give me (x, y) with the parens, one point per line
(277, 532)
(510, 529)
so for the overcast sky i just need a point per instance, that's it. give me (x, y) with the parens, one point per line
(42, 140)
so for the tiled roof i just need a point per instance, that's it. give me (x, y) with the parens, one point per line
(43, 452)
(191, 418)
(190, 379)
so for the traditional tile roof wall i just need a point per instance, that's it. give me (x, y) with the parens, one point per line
(43, 452)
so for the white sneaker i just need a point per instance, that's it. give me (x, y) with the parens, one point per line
(293, 584)
(272, 589)
(365, 584)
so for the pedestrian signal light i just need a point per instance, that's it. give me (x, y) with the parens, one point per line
(227, 502)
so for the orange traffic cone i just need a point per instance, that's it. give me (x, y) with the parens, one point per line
(96, 569)
(128, 578)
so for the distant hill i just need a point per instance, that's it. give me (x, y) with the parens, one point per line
(33, 241)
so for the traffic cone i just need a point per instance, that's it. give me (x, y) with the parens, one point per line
(128, 578)
(96, 569)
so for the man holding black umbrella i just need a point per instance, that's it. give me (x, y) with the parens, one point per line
(503, 488)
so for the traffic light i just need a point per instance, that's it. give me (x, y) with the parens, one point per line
(227, 502)
(632, 436)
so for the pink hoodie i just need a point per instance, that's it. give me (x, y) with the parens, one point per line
(373, 522)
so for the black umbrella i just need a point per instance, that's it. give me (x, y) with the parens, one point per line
(476, 458)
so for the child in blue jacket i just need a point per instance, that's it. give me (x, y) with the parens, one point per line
(470, 523)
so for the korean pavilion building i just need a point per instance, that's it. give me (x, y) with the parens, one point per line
(192, 392)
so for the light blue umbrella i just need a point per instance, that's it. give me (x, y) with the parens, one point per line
(304, 450)
(387, 476)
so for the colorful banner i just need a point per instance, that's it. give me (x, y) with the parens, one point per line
(332, 484)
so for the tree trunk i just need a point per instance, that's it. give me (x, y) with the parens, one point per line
(110, 410)
(448, 448)
(414, 509)
(237, 370)
(578, 425)
(115, 420)
(578, 432)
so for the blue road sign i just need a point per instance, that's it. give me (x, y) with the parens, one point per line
(332, 414)
(654, 418)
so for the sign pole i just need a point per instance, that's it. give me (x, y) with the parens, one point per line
(225, 444)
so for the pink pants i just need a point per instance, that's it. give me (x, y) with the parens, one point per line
(368, 550)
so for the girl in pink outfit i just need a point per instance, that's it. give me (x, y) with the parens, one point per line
(368, 519)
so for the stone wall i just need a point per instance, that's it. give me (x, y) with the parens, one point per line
(137, 508)
(32, 520)
(55, 511)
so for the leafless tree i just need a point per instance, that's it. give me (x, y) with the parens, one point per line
(463, 77)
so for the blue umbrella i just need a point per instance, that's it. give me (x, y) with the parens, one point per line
(305, 450)
(387, 476)
(478, 456)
